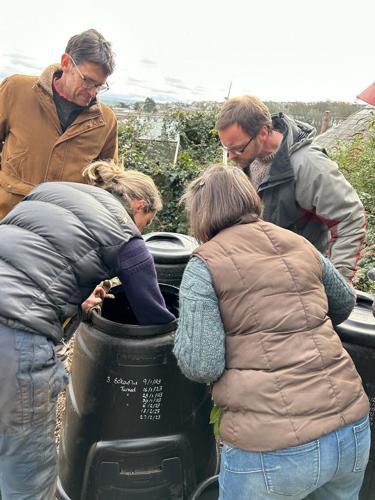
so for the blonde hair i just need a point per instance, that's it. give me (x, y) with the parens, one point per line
(126, 184)
(217, 199)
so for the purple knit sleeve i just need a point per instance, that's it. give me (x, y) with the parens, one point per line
(138, 277)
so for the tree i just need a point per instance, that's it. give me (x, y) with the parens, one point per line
(149, 105)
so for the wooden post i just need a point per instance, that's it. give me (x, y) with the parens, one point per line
(325, 121)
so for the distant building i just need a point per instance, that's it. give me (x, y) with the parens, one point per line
(121, 112)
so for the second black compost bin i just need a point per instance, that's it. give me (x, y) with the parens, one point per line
(358, 336)
(171, 252)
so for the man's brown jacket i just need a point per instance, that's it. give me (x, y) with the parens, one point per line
(34, 148)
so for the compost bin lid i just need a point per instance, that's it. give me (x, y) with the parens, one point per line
(359, 328)
(170, 248)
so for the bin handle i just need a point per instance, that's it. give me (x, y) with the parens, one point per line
(201, 486)
(167, 236)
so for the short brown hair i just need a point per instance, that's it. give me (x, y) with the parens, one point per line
(217, 199)
(91, 46)
(249, 112)
(126, 184)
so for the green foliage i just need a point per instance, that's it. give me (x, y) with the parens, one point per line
(216, 415)
(198, 135)
(199, 146)
(357, 162)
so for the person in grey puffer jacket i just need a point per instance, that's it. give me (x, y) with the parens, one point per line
(301, 188)
(55, 247)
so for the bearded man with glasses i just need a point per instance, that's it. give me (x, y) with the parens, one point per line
(301, 188)
(53, 125)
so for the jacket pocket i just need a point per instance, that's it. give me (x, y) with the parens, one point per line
(362, 440)
(14, 163)
(14, 185)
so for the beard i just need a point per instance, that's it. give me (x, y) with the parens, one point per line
(244, 164)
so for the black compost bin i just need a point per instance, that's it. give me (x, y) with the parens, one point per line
(171, 252)
(358, 336)
(135, 428)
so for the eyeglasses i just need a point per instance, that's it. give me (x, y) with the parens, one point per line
(88, 83)
(237, 151)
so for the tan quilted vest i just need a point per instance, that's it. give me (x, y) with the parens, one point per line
(288, 380)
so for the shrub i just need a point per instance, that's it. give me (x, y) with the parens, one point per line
(199, 146)
(357, 162)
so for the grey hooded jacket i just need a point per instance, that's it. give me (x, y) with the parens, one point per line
(306, 192)
(55, 247)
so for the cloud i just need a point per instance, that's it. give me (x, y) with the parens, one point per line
(21, 63)
(162, 91)
(179, 86)
(147, 88)
(148, 61)
(176, 83)
(198, 90)
(134, 81)
(172, 81)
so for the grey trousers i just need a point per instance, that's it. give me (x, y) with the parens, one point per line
(31, 378)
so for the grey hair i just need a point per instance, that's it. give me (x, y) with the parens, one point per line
(217, 199)
(91, 46)
(126, 184)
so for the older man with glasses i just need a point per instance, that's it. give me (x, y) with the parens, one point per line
(53, 125)
(301, 188)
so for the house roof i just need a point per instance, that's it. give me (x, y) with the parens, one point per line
(356, 124)
(368, 95)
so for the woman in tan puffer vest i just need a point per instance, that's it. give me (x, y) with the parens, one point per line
(257, 303)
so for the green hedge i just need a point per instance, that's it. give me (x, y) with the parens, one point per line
(199, 146)
(357, 162)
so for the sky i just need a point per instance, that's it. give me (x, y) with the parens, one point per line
(199, 49)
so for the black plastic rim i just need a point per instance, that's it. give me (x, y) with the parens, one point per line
(115, 329)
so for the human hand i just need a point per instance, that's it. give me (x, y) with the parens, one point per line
(97, 296)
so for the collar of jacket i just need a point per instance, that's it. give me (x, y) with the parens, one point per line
(296, 134)
(45, 82)
(247, 219)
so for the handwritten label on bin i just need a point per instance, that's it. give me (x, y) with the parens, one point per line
(146, 393)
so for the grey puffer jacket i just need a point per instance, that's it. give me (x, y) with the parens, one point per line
(306, 193)
(55, 247)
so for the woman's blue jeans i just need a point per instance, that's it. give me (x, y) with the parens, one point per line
(329, 468)
(30, 379)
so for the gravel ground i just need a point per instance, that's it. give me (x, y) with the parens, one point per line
(65, 351)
